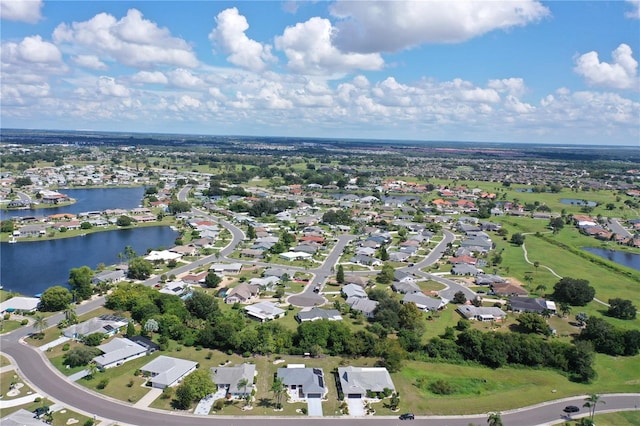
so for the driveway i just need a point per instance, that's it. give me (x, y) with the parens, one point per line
(356, 407)
(314, 407)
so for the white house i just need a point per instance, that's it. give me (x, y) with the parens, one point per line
(167, 371)
(19, 304)
(357, 381)
(229, 378)
(118, 351)
(264, 311)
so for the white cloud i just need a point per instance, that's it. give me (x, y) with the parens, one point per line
(390, 26)
(33, 50)
(229, 35)
(634, 13)
(184, 79)
(21, 10)
(132, 41)
(512, 86)
(150, 77)
(622, 73)
(309, 50)
(108, 86)
(89, 61)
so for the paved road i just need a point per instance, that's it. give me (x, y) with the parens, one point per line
(307, 297)
(618, 229)
(35, 368)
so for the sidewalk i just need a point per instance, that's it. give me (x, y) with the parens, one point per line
(19, 401)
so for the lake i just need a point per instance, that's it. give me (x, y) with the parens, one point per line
(88, 200)
(631, 260)
(31, 267)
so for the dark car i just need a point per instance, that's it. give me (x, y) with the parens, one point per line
(571, 409)
(407, 416)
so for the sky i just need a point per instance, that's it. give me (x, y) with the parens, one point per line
(489, 71)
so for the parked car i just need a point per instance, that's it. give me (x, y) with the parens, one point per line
(407, 416)
(571, 409)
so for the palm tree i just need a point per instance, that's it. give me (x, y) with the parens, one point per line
(541, 288)
(242, 384)
(565, 309)
(278, 390)
(590, 402)
(495, 419)
(40, 323)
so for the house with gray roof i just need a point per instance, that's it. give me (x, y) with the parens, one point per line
(355, 279)
(355, 382)
(104, 324)
(354, 290)
(21, 417)
(118, 351)
(424, 302)
(464, 269)
(530, 304)
(316, 313)
(110, 277)
(482, 313)
(167, 371)
(303, 383)
(19, 304)
(228, 378)
(405, 287)
(366, 306)
(264, 311)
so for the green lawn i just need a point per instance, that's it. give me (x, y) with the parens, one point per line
(4, 361)
(10, 325)
(11, 378)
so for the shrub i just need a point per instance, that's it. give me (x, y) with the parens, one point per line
(218, 405)
(6, 316)
(65, 347)
(103, 383)
(441, 387)
(24, 322)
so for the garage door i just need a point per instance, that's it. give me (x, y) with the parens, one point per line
(354, 395)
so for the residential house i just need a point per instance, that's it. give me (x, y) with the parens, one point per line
(295, 255)
(118, 351)
(303, 383)
(264, 311)
(354, 290)
(424, 302)
(276, 272)
(508, 289)
(176, 288)
(489, 279)
(109, 277)
(530, 304)
(19, 304)
(242, 293)
(357, 382)
(482, 313)
(226, 268)
(405, 287)
(464, 269)
(166, 371)
(399, 256)
(229, 378)
(366, 306)
(195, 279)
(316, 313)
(108, 325)
(22, 417)
(162, 256)
(355, 279)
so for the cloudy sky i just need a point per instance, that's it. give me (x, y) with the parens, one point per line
(506, 71)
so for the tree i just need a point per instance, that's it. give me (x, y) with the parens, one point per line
(40, 323)
(495, 419)
(80, 282)
(139, 269)
(279, 391)
(411, 318)
(534, 323)
(574, 291)
(151, 326)
(242, 384)
(582, 318)
(517, 239)
(93, 339)
(565, 309)
(7, 226)
(131, 329)
(202, 305)
(178, 207)
(55, 298)
(459, 298)
(621, 308)
(251, 232)
(386, 274)
(124, 221)
(591, 402)
(81, 355)
(340, 274)
(212, 280)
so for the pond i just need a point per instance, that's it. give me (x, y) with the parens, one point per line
(631, 260)
(576, 202)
